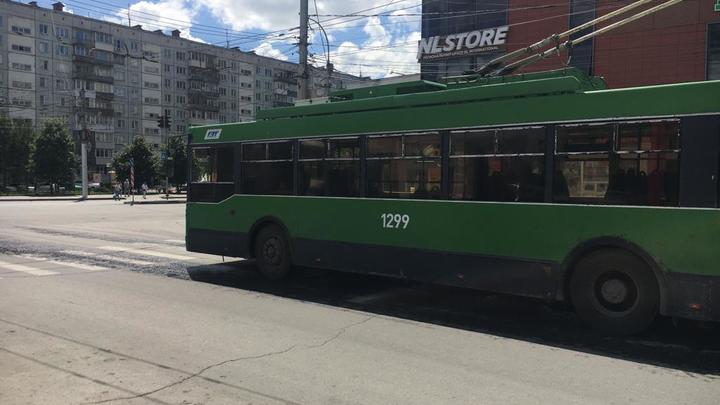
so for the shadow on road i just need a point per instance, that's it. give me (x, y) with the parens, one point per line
(688, 346)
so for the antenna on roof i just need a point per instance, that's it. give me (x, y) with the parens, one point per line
(501, 65)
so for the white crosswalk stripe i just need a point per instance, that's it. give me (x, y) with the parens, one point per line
(81, 266)
(107, 257)
(179, 241)
(143, 252)
(26, 269)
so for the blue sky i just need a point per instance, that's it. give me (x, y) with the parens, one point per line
(379, 41)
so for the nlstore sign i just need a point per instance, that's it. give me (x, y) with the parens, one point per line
(464, 44)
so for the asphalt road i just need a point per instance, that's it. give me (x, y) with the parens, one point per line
(100, 303)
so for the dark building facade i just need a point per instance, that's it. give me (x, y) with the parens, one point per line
(678, 44)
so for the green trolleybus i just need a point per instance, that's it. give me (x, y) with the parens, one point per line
(544, 185)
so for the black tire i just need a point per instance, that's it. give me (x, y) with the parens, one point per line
(272, 252)
(615, 292)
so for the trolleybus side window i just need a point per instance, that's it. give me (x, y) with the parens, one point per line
(213, 174)
(267, 168)
(628, 163)
(404, 166)
(498, 165)
(329, 167)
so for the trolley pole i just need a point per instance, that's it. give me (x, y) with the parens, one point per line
(303, 76)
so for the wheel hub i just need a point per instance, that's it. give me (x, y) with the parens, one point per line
(272, 251)
(614, 291)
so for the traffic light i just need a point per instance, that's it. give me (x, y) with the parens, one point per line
(163, 121)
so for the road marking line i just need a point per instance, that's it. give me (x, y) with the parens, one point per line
(143, 252)
(80, 266)
(106, 257)
(175, 241)
(26, 269)
(76, 265)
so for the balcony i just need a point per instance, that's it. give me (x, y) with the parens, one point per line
(87, 74)
(91, 60)
(286, 78)
(207, 93)
(206, 75)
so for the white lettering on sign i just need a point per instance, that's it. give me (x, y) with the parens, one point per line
(395, 221)
(212, 134)
(465, 43)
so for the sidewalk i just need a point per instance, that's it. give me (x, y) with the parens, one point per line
(151, 198)
(19, 198)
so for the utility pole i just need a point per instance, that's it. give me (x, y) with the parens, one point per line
(83, 145)
(303, 76)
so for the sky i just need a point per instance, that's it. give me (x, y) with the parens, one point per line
(368, 37)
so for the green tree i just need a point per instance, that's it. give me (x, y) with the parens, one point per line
(176, 152)
(16, 146)
(145, 160)
(54, 157)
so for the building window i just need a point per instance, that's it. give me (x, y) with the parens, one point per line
(22, 66)
(20, 30)
(63, 50)
(21, 48)
(713, 52)
(43, 47)
(62, 32)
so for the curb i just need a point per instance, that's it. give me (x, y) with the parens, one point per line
(154, 202)
(30, 199)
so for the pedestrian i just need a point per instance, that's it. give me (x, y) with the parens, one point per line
(144, 190)
(126, 187)
(117, 190)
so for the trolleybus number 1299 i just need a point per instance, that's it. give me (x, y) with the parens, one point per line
(395, 221)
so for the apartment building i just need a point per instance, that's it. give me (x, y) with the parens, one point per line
(112, 82)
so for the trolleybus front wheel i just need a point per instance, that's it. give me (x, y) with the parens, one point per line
(272, 252)
(615, 291)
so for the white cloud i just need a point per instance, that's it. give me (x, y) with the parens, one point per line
(266, 49)
(176, 14)
(388, 48)
(386, 52)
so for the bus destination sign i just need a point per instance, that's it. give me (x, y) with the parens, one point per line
(463, 44)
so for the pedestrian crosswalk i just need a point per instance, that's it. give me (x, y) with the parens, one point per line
(94, 259)
(97, 258)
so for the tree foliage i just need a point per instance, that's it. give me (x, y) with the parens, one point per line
(145, 160)
(54, 157)
(176, 152)
(17, 139)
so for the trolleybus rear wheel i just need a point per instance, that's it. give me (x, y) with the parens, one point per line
(615, 291)
(272, 252)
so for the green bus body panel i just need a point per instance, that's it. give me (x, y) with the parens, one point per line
(479, 106)
(677, 238)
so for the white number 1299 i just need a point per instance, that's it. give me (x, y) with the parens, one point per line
(395, 221)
